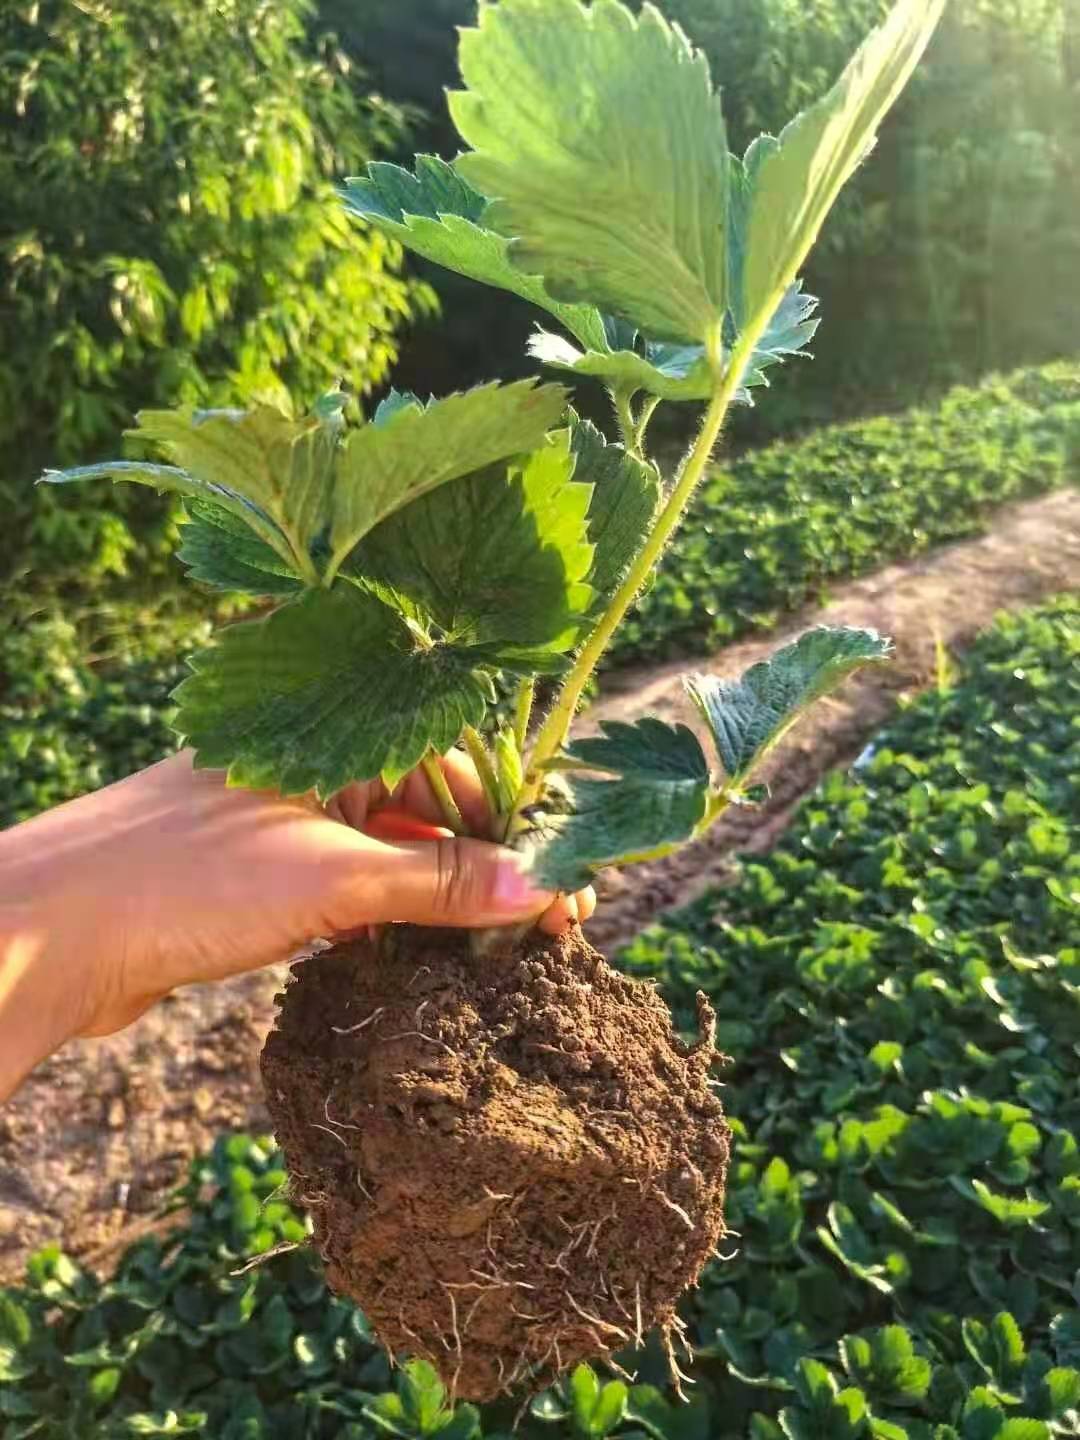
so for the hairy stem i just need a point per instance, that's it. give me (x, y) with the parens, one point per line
(452, 816)
(624, 414)
(478, 753)
(523, 706)
(554, 730)
(645, 414)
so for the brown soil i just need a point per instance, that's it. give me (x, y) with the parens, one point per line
(95, 1136)
(512, 1164)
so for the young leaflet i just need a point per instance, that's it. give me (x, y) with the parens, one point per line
(420, 555)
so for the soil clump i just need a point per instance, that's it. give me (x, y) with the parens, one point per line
(512, 1163)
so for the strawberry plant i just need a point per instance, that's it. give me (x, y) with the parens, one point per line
(411, 561)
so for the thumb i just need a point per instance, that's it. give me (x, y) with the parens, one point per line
(459, 882)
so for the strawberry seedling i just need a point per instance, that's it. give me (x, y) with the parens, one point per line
(511, 1160)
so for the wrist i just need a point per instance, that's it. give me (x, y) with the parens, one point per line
(39, 1003)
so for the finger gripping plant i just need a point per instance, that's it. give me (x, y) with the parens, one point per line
(511, 1160)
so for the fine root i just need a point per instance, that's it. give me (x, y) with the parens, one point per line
(678, 1209)
(419, 1035)
(315, 1125)
(256, 1260)
(352, 1029)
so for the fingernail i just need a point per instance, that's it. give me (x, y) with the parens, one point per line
(515, 890)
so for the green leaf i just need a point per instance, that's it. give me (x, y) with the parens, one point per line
(282, 467)
(1004, 1208)
(1065, 1337)
(609, 1409)
(584, 1390)
(599, 133)
(789, 331)
(885, 1363)
(104, 1386)
(496, 560)
(383, 467)
(648, 749)
(998, 1348)
(669, 371)
(463, 1424)
(330, 688)
(423, 1395)
(657, 802)
(438, 215)
(15, 1326)
(392, 403)
(681, 372)
(747, 717)
(223, 551)
(177, 481)
(789, 183)
(625, 496)
(1020, 1429)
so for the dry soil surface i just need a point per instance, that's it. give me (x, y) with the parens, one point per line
(100, 1131)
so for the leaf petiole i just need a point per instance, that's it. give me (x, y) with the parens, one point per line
(441, 790)
(478, 753)
(553, 732)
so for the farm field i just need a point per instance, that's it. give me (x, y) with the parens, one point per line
(895, 980)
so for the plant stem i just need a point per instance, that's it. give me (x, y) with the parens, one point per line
(645, 414)
(441, 790)
(624, 413)
(554, 730)
(523, 705)
(478, 753)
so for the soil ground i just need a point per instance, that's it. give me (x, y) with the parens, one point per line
(100, 1131)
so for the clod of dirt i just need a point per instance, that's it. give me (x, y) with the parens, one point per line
(512, 1164)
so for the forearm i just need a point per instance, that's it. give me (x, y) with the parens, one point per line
(39, 1001)
(33, 1011)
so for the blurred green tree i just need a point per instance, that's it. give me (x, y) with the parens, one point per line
(169, 235)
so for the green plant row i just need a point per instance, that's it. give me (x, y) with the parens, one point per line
(769, 531)
(906, 1179)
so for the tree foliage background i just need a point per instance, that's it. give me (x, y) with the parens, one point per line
(169, 235)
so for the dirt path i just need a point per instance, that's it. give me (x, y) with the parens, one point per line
(96, 1135)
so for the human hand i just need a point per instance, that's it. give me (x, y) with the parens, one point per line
(170, 877)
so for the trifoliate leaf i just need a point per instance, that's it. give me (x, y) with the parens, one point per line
(436, 214)
(383, 467)
(223, 551)
(498, 559)
(601, 138)
(748, 716)
(656, 803)
(790, 182)
(331, 688)
(681, 372)
(626, 493)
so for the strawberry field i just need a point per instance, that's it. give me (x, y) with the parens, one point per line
(899, 983)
